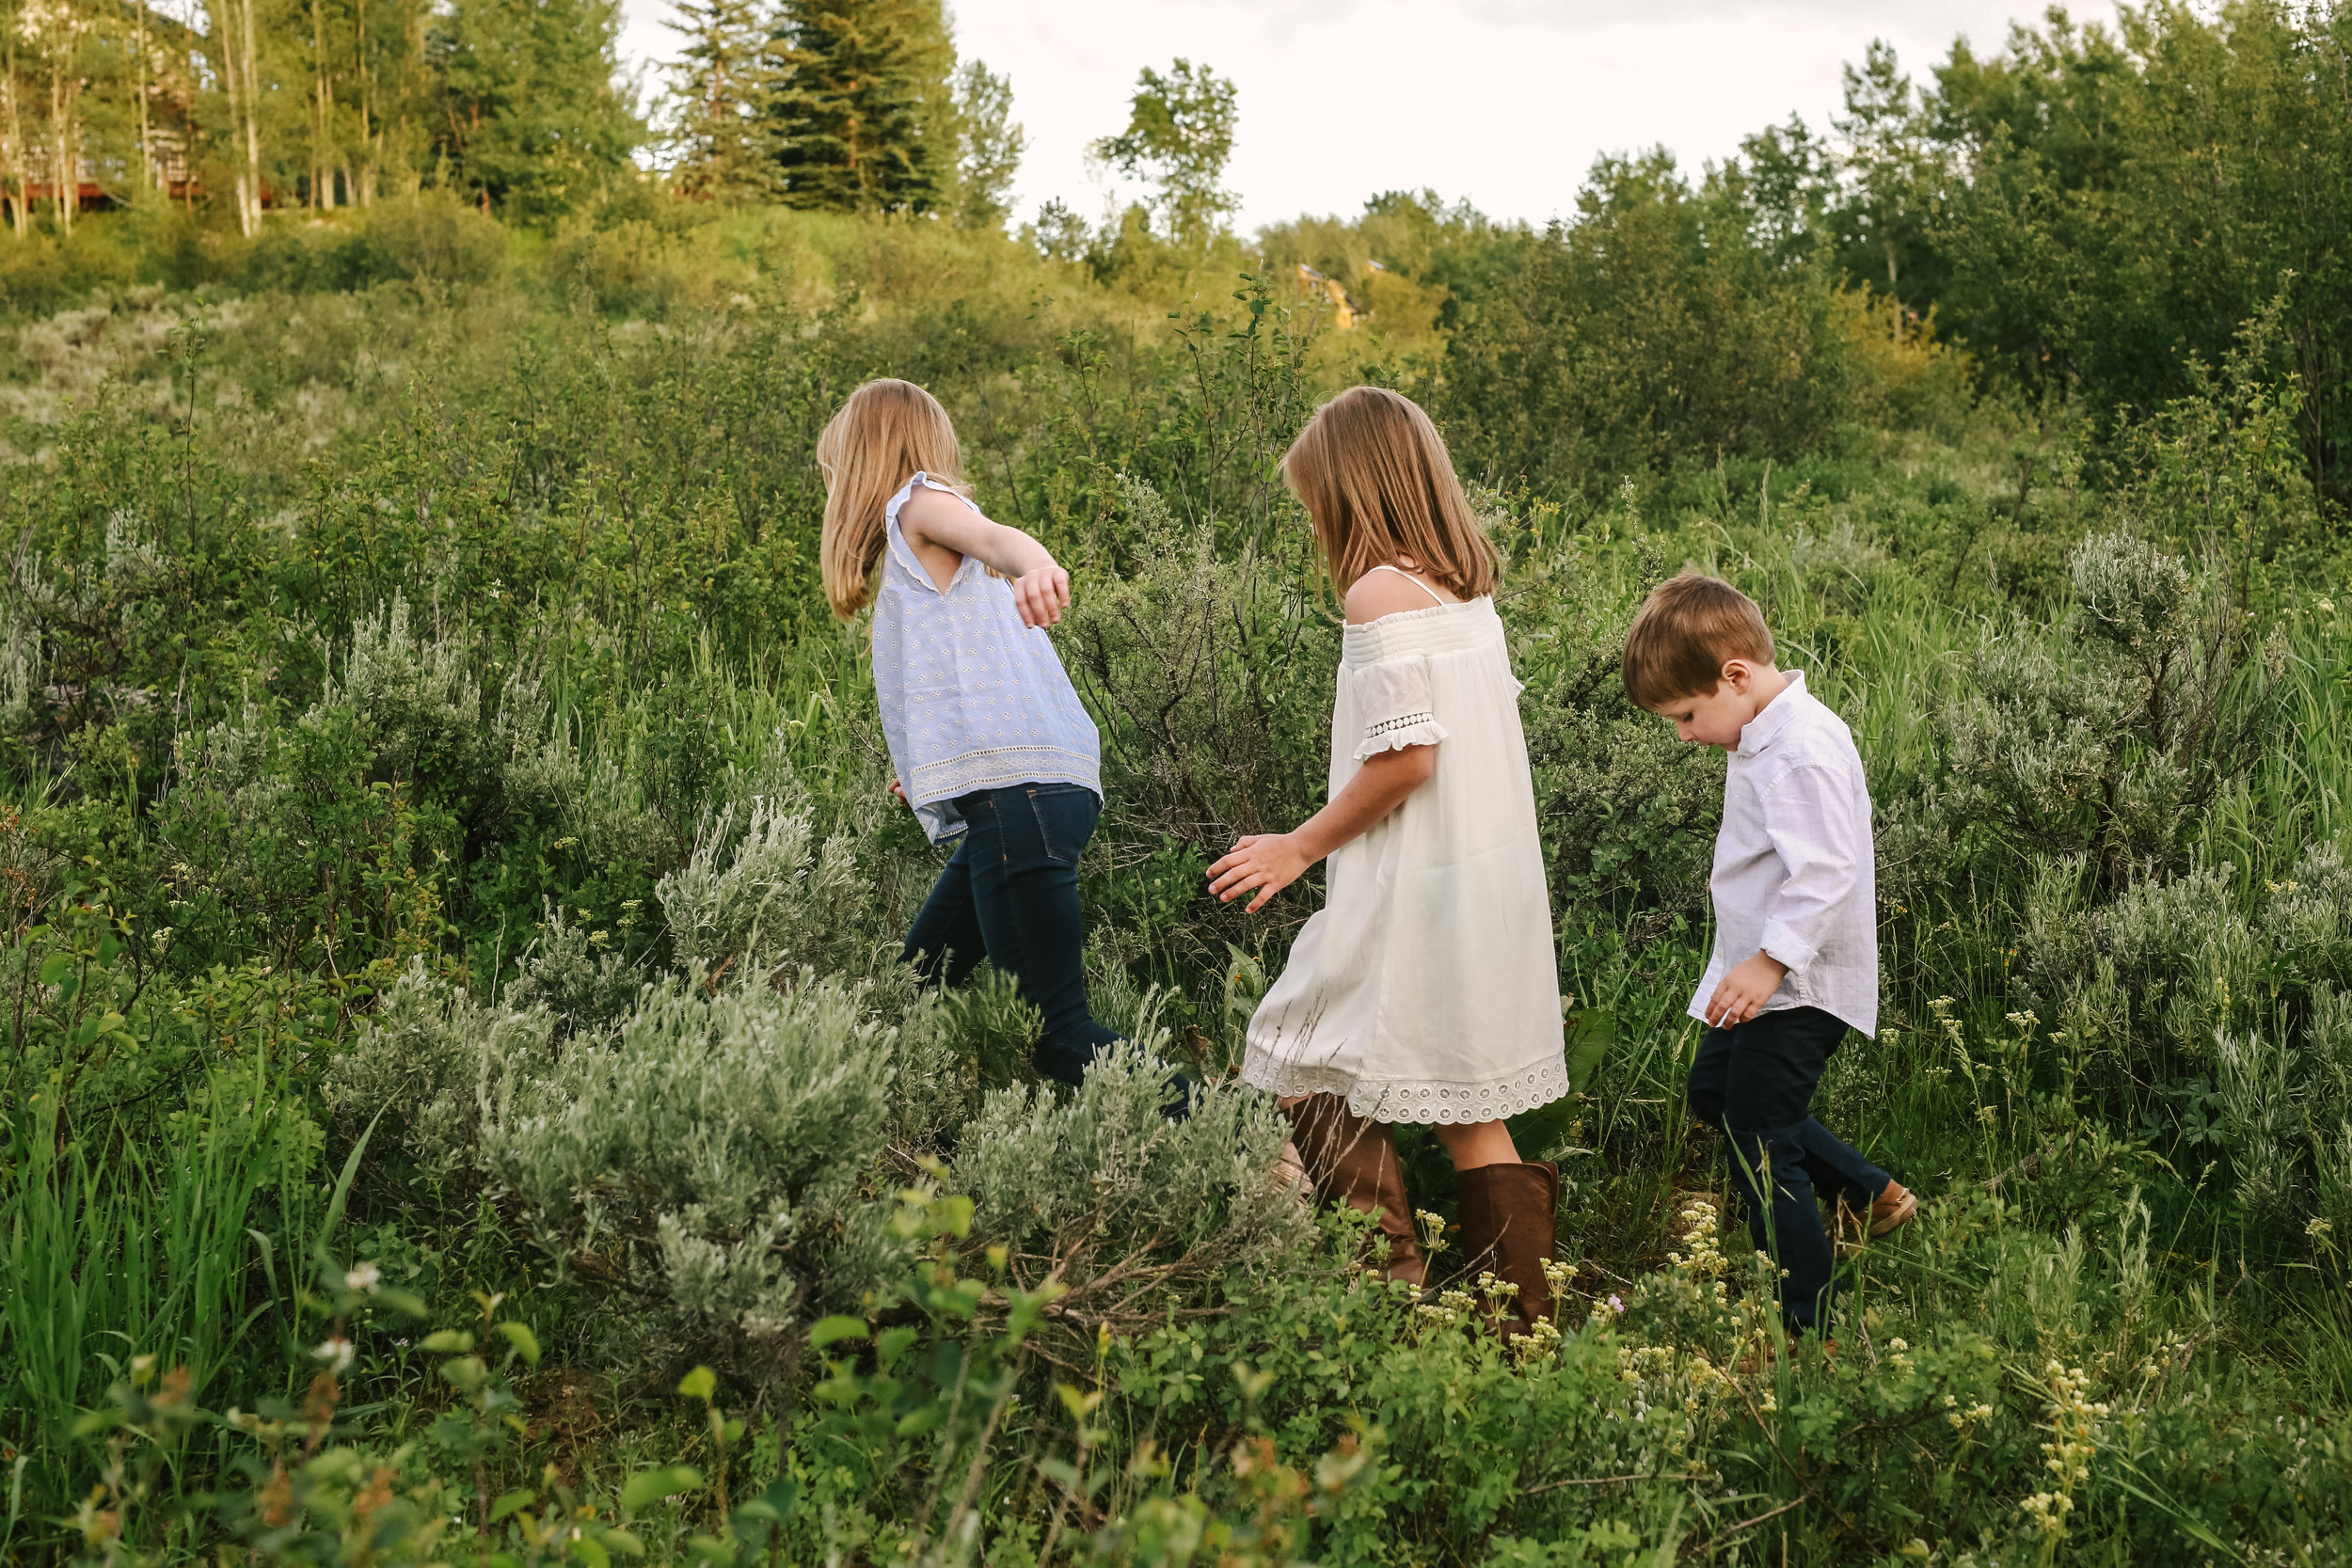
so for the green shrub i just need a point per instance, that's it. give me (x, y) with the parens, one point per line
(424, 1069)
(1102, 1189)
(700, 1157)
(432, 239)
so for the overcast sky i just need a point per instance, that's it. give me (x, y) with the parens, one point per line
(1504, 102)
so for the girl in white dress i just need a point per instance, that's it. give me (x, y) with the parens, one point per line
(1426, 988)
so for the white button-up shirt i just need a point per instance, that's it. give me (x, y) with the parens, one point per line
(1794, 873)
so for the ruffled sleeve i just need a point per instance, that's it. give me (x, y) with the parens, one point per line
(1392, 699)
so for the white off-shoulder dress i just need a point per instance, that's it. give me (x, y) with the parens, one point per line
(1426, 988)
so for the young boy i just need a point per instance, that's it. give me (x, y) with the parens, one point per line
(1796, 923)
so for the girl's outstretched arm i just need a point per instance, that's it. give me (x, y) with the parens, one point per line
(1268, 862)
(1271, 862)
(936, 522)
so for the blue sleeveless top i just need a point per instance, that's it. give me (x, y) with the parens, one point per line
(971, 699)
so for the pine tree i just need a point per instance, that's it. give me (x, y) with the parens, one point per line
(719, 148)
(860, 111)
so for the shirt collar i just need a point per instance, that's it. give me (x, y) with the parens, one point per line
(1759, 731)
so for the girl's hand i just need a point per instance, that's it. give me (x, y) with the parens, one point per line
(899, 790)
(1267, 862)
(1042, 595)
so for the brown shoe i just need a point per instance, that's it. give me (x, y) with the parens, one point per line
(1890, 1210)
(1507, 1214)
(1353, 1160)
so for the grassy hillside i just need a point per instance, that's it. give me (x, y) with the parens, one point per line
(462, 1102)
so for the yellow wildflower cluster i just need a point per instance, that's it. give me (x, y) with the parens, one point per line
(2168, 1355)
(1700, 1225)
(2047, 1510)
(2074, 1423)
(1543, 1336)
(1451, 1309)
(1541, 1339)
(1961, 1421)
(1942, 1007)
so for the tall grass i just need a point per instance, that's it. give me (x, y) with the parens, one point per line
(123, 1253)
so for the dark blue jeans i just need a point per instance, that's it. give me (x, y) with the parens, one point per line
(1011, 895)
(1753, 1084)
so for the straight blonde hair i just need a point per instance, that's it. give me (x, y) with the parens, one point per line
(1376, 479)
(888, 432)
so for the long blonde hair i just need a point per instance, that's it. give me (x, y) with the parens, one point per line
(881, 437)
(1374, 475)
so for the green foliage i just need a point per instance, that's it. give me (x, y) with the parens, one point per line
(991, 142)
(854, 111)
(1658, 325)
(422, 1068)
(1209, 677)
(2098, 201)
(447, 863)
(776, 904)
(178, 1234)
(2112, 742)
(716, 145)
(533, 120)
(1179, 135)
(703, 1158)
(430, 239)
(1103, 1188)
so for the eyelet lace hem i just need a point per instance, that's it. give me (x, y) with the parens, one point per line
(1425, 1101)
(1394, 735)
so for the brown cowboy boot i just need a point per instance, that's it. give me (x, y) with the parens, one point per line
(1353, 1160)
(1507, 1214)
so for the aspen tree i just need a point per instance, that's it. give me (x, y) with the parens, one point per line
(12, 126)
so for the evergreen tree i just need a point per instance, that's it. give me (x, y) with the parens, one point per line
(532, 121)
(718, 146)
(859, 112)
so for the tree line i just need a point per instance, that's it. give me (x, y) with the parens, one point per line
(2090, 213)
(241, 105)
(2095, 215)
(2094, 212)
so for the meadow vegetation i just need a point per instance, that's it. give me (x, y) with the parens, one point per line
(463, 1102)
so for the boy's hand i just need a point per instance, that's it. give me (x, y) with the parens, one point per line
(1041, 596)
(1744, 989)
(1267, 862)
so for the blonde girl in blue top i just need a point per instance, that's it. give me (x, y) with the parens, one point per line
(994, 749)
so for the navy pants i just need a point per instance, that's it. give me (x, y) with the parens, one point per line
(1754, 1082)
(1011, 895)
